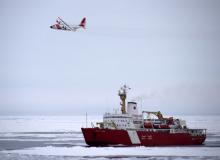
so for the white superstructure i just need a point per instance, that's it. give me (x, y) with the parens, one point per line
(129, 118)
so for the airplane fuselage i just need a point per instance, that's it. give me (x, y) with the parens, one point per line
(62, 27)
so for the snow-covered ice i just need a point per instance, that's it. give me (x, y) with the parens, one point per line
(60, 137)
(120, 151)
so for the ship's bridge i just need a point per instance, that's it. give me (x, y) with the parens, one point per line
(121, 121)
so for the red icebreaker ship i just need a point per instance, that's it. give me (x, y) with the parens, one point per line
(132, 129)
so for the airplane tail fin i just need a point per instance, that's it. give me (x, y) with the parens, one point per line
(83, 23)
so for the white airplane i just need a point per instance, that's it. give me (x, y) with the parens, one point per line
(61, 25)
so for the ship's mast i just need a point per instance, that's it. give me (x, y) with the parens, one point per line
(123, 94)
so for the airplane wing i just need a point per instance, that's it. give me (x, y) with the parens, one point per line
(65, 24)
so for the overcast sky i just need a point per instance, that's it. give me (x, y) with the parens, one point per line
(168, 52)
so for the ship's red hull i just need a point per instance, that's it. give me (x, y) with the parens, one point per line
(106, 137)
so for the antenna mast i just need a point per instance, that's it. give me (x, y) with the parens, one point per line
(123, 94)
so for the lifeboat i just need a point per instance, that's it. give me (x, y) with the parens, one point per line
(148, 124)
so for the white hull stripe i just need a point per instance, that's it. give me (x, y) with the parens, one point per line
(133, 137)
